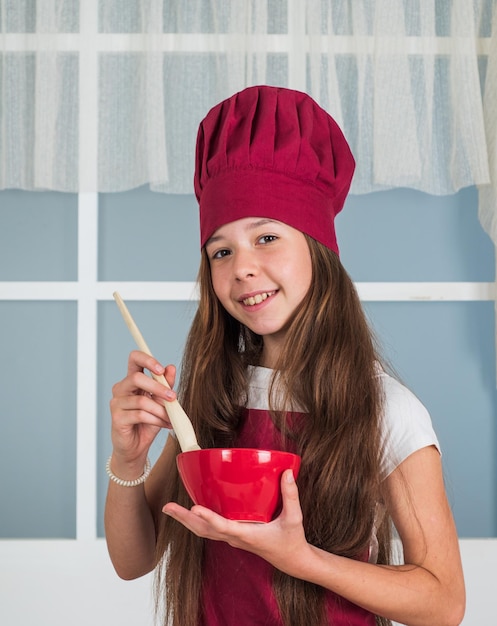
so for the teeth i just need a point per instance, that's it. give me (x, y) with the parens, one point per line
(257, 299)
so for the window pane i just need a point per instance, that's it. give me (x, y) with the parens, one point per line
(29, 16)
(120, 16)
(38, 420)
(38, 236)
(405, 235)
(148, 236)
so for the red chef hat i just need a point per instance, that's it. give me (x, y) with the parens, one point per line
(272, 152)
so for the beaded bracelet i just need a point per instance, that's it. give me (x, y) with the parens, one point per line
(129, 483)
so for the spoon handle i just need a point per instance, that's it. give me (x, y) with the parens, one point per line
(179, 419)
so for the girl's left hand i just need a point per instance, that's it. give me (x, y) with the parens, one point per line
(281, 542)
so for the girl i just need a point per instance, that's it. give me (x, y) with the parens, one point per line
(280, 356)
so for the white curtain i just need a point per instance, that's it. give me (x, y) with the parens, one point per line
(413, 83)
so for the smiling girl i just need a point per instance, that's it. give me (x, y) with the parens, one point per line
(261, 271)
(280, 356)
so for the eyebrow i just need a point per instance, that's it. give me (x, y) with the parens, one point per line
(251, 226)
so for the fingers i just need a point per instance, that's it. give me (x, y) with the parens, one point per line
(138, 382)
(138, 393)
(139, 361)
(291, 511)
(170, 374)
(138, 405)
(139, 409)
(288, 485)
(199, 520)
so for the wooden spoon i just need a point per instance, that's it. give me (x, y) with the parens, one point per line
(179, 419)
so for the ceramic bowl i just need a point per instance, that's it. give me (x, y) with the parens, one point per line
(238, 483)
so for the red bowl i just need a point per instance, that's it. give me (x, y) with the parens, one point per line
(238, 483)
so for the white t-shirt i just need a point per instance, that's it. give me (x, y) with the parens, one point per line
(407, 425)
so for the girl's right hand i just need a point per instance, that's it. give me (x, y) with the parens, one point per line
(138, 412)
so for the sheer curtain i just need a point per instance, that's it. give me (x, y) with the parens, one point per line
(412, 82)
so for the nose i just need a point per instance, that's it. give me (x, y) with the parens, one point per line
(244, 264)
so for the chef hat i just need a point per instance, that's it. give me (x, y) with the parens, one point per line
(272, 152)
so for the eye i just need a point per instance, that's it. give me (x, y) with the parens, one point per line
(267, 239)
(219, 254)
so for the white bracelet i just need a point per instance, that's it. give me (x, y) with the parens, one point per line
(129, 483)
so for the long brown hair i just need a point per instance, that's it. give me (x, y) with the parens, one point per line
(328, 366)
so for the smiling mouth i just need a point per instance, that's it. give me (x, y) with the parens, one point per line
(258, 298)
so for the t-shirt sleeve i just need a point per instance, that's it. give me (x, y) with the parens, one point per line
(407, 425)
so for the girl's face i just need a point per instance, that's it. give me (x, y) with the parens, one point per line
(261, 270)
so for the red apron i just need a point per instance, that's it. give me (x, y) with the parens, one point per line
(237, 587)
